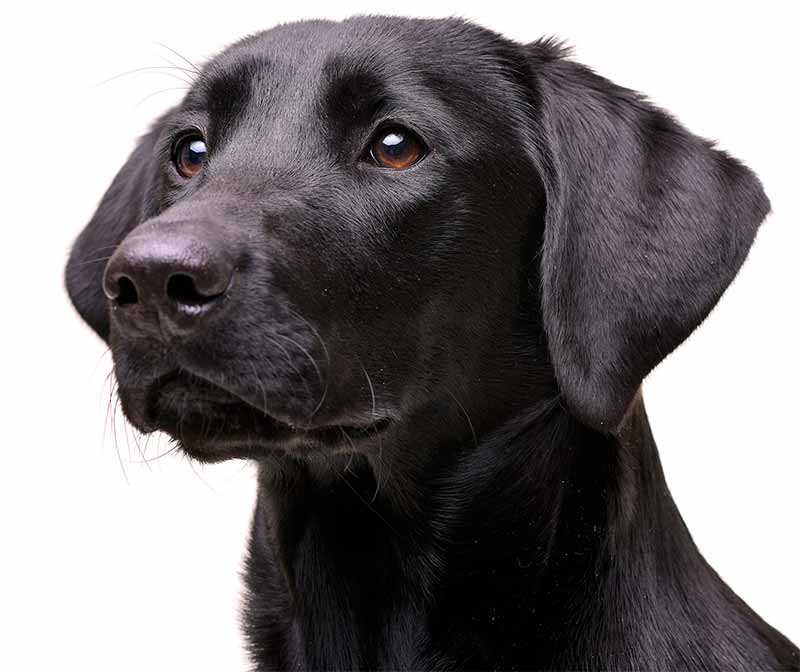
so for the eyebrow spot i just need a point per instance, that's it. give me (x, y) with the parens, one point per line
(355, 96)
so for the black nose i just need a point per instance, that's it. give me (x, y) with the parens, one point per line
(168, 279)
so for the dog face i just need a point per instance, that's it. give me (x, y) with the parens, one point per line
(348, 231)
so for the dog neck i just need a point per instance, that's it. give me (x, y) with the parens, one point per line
(519, 545)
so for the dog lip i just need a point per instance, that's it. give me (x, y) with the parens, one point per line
(337, 435)
(260, 428)
(256, 445)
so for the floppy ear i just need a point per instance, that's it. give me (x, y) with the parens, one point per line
(645, 227)
(132, 197)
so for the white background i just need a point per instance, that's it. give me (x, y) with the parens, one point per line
(105, 570)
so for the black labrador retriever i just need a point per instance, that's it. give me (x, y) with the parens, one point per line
(418, 272)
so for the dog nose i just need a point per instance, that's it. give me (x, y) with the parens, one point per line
(168, 278)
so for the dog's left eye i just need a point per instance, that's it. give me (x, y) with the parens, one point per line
(189, 155)
(396, 148)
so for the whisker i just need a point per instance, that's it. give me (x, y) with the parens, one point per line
(193, 67)
(108, 381)
(172, 63)
(197, 473)
(114, 434)
(170, 451)
(152, 69)
(377, 433)
(305, 352)
(146, 445)
(352, 445)
(352, 453)
(466, 415)
(316, 368)
(261, 386)
(125, 433)
(137, 437)
(367, 504)
(156, 93)
(106, 351)
(327, 360)
(289, 359)
(91, 261)
(315, 332)
(103, 247)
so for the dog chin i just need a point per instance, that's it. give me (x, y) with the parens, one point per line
(211, 424)
(212, 447)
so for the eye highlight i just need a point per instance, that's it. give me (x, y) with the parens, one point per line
(189, 155)
(396, 148)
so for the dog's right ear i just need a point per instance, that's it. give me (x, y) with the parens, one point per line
(132, 197)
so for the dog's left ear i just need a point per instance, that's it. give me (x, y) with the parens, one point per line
(645, 227)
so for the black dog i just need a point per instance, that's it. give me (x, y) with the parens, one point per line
(418, 272)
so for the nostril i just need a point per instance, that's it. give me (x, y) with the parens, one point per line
(182, 289)
(126, 292)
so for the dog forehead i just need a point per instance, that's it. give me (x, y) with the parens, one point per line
(293, 90)
(306, 59)
(387, 39)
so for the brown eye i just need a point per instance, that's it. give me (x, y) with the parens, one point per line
(396, 148)
(190, 155)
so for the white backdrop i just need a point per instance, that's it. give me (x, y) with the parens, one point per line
(109, 563)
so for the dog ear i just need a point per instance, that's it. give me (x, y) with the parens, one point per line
(131, 198)
(645, 227)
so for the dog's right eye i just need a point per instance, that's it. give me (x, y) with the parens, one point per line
(189, 155)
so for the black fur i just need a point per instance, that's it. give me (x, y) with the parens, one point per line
(488, 314)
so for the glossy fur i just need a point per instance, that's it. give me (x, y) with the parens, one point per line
(488, 315)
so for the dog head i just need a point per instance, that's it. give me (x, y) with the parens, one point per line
(346, 227)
